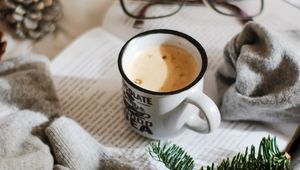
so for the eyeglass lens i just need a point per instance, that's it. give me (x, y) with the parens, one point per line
(239, 8)
(152, 8)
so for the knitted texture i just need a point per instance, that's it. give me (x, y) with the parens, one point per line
(25, 82)
(75, 149)
(22, 145)
(264, 68)
(33, 135)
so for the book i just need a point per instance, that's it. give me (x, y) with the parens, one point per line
(89, 84)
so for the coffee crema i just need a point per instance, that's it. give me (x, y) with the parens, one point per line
(163, 68)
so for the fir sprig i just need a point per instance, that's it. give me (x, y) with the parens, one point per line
(268, 157)
(173, 156)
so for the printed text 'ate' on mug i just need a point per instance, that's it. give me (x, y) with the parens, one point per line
(162, 73)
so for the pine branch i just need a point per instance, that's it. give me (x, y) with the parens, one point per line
(268, 157)
(174, 157)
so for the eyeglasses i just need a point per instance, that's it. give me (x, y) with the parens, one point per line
(244, 10)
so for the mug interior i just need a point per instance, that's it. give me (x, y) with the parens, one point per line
(151, 38)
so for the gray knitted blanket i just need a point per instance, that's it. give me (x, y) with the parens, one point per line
(33, 134)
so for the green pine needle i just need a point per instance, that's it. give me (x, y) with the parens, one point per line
(173, 156)
(268, 157)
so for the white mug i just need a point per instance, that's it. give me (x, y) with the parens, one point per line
(160, 115)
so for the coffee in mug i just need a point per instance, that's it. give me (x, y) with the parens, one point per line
(163, 68)
(162, 72)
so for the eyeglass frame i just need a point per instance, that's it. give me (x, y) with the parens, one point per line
(205, 2)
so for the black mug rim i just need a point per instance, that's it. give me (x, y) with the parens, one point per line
(164, 31)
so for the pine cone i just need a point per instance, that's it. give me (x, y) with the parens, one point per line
(2, 45)
(31, 18)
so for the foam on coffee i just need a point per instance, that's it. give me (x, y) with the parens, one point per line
(163, 68)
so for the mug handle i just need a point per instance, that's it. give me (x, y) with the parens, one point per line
(208, 109)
